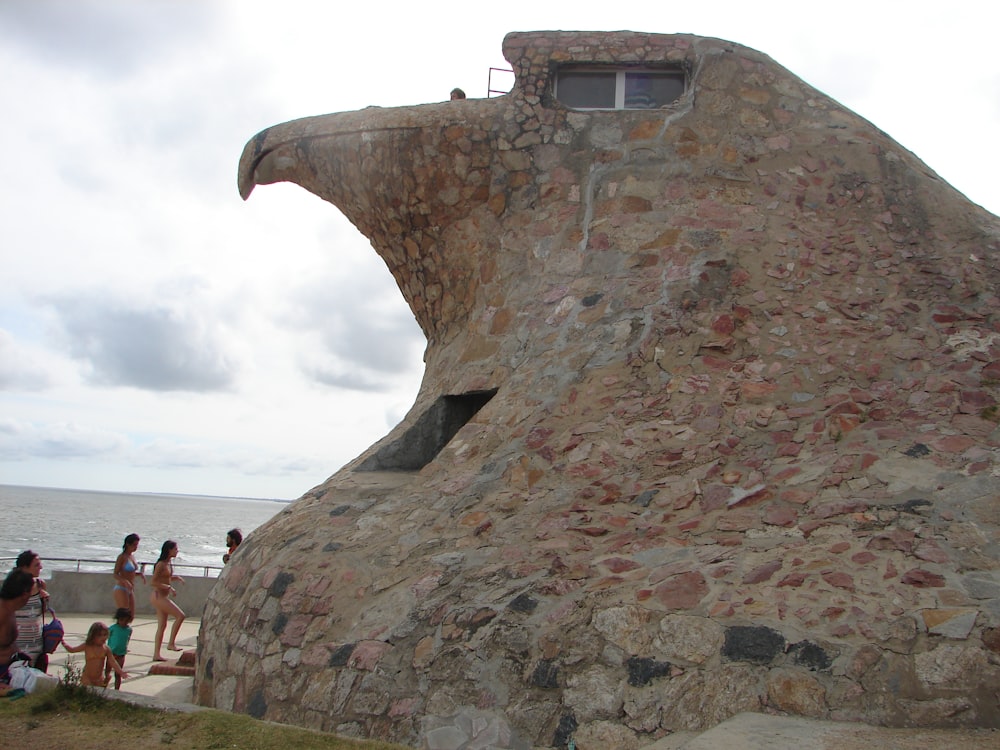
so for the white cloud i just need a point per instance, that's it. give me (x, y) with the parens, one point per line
(64, 440)
(365, 338)
(106, 38)
(162, 346)
(20, 369)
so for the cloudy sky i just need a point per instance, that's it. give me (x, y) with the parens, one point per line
(158, 334)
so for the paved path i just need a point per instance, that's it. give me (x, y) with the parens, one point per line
(750, 731)
(162, 688)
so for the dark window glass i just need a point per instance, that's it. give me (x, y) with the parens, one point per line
(587, 89)
(607, 88)
(651, 90)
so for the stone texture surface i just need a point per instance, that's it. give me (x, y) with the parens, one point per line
(742, 452)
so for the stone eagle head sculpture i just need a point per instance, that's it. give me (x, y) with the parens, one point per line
(708, 424)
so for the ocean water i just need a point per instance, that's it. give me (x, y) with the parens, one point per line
(84, 525)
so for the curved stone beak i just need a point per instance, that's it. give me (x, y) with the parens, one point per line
(408, 178)
(252, 160)
(275, 153)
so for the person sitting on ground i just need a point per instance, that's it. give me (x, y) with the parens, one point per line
(234, 538)
(14, 594)
(457, 94)
(97, 656)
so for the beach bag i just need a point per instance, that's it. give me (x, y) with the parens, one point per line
(52, 633)
(25, 677)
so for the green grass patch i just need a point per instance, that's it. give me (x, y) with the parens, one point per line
(78, 718)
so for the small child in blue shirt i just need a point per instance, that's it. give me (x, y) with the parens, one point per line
(121, 633)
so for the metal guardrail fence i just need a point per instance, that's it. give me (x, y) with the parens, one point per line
(85, 565)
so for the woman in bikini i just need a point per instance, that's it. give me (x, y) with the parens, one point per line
(97, 656)
(162, 585)
(126, 569)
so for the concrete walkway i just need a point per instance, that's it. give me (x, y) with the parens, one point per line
(160, 689)
(750, 731)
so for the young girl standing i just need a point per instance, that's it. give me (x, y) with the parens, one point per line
(96, 655)
(162, 585)
(120, 633)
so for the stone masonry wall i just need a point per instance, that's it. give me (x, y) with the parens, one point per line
(743, 449)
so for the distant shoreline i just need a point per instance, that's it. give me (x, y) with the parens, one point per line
(146, 493)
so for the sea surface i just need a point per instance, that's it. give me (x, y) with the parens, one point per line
(84, 525)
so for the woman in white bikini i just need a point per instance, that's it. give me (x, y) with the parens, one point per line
(126, 569)
(163, 589)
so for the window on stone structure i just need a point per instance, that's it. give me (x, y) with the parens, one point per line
(431, 432)
(612, 88)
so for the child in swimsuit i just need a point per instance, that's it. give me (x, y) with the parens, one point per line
(97, 655)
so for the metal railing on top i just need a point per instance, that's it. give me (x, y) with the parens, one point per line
(490, 90)
(80, 565)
